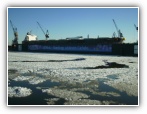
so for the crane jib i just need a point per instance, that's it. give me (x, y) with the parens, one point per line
(46, 34)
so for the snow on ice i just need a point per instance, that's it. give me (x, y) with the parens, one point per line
(43, 66)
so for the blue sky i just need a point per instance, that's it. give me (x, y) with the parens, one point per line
(71, 22)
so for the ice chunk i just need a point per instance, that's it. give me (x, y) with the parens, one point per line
(22, 78)
(66, 94)
(19, 91)
(36, 80)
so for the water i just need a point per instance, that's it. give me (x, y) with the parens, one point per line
(36, 98)
(122, 99)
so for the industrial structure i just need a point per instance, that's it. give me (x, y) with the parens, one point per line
(101, 45)
(120, 35)
(46, 34)
(30, 37)
(15, 40)
(136, 27)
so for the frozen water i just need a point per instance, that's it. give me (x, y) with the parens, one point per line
(19, 91)
(36, 80)
(64, 93)
(22, 78)
(73, 72)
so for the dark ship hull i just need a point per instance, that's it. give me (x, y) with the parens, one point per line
(84, 45)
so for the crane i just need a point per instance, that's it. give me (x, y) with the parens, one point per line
(136, 27)
(15, 41)
(120, 35)
(46, 34)
(114, 35)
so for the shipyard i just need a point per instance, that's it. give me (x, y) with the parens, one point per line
(101, 45)
(74, 70)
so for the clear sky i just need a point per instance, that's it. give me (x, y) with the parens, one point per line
(71, 22)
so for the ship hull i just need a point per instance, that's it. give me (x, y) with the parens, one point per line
(99, 45)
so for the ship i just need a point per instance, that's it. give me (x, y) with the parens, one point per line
(100, 45)
(71, 44)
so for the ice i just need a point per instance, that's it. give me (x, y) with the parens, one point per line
(36, 80)
(52, 101)
(70, 70)
(64, 93)
(88, 102)
(19, 91)
(22, 78)
(73, 72)
(83, 102)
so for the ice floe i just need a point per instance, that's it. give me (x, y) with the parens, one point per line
(19, 91)
(88, 102)
(37, 80)
(22, 78)
(64, 93)
(52, 101)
